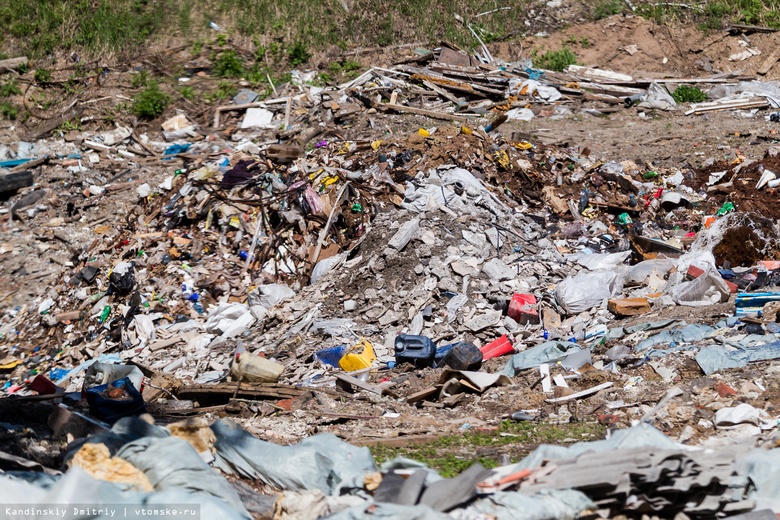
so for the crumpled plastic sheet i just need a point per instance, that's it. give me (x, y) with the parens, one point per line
(746, 90)
(269, 295)
(405, 463)
(77, 487)
(426, 198)
(565, 504)
(172, 463)
(587, 290)
(640, 436)
(707, 289)
(231, 319)
(619, 332)
(125, 430)
(600, 261)
(715, 358)
(383, 511)
(640, 272)
(751, 340)
(762, 468)
(688, 334)
(547, 352)
(657, 97)
(323, 267)
(321, 462)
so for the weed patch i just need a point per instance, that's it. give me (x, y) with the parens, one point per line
(229, 65)
(9, 88)
(451, 454)
(688, 94)
(554, 60)
(9, 110)
(150, 102)
(608, 8)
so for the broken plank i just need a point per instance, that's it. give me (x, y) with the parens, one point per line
(395, 442)
(728, 106)
(422, 112)
(358, 383)
(423, 394)
(739, 27)
(262, 390)
(769, 62)
(13, 63)
(583, 393)
(443, 93)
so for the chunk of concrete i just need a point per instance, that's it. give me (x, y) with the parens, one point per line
(404, 234)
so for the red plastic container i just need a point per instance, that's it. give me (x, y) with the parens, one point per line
(522, 308)
(497, 348)
(43, 386)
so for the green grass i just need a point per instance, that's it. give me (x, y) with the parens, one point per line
(688, 94)
(608, 8)
(451, 454)
(42, 76)
(187, 93)
(9, 110)
(9, 88)
(554, 60)
(97, 27)
(715, 15)
(225, 89)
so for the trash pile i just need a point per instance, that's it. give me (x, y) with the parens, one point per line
(156, 469)
(300, 273)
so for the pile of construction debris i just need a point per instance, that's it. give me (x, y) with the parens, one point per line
(320, 274)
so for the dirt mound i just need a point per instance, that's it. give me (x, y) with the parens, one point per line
(740, 246)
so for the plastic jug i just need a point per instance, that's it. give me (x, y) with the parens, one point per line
(462, 356)
(331, 356)
(497, 348)
(418, 350)
(358, 357)
(256, 369)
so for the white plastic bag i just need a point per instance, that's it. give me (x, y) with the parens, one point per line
(707, 289)
(587, 290)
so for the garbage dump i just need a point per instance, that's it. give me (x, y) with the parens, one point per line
(223, 316)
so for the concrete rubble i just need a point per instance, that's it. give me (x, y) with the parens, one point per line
(234, 312)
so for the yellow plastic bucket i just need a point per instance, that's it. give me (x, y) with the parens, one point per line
(353, 361)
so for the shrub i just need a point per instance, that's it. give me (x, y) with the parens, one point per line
(42, 76)
(150, 102)
(229, 65)
(298, 54)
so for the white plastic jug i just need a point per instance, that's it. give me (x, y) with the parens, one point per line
(256, 369)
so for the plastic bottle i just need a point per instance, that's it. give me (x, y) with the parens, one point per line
(256, 369)
(105, 314)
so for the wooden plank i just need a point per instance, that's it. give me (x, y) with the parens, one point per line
(769, 62)
(13, 63)
(269, 390)
(423, 394)
(739, 27)
(583, 393)
(422, 112)
(358, 383)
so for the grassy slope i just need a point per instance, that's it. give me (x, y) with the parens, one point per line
(40, 27)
